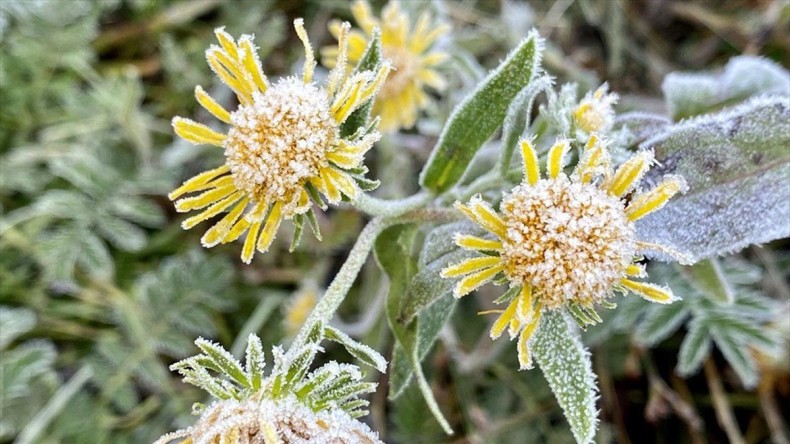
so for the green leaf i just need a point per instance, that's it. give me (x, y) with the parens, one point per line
(694, 349)
(224, 360)
(14, 322)
(660, 322)
(370, 61)
(709, 279)
(94, 257)
(734, 163)
(567, 367)
(479, 115)
(394, 253)
(121, 234)
(737, 355)
(517, 118)
(360, 351)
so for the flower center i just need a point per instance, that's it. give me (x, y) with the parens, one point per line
(280, 141)
(570, 241)
(404, 73)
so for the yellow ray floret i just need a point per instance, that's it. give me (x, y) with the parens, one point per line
(470, 266)
(524, 353)
(470, 242)
(557, 158)
(651, 292)
(531, 169)
(594, 157)
(504, 320)
(655, 199)
(476, 280)
(197, 133)
(482, 214)
(630, 173)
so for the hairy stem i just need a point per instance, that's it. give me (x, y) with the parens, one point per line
(390, 208)
(334, 295)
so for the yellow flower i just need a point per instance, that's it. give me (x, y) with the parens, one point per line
(283, 145)
(299, 308)
(563, 242)
(595, 112)
(409, 50)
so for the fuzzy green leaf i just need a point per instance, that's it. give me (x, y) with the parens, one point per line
(15, 322)
(224, 360)
(708, 277)
(479, 115)
(735, 163)
(567, 367)
(360, 351)
(694, 349)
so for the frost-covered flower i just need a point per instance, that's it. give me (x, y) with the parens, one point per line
(563, 242)
(595, 113)
(269, 421)
(409, 48)
(289, 405)
(283, 145)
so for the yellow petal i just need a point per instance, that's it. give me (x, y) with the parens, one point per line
(212, 211)
(363, 15)
(635, 270)
(214, 235)
(556, 158)
(655, 199)
(227, 43)
(504, 320)
(630, 173)
(531, 170)
(197, 181)
(482, 214)
(470, 266)
(205, 199)
(470, 242)
(197, 133)
(248, 250)
(270, 229)
(207, 102)
(309, 58)
(525, 311)
(524, 354)
(651, 292)
(476, 280)
(229, 71)
(252, 64)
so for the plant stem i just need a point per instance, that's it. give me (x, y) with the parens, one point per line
(390, 208)
(334, 295)
(720, 404)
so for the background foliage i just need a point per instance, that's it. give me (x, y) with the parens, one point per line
(101, 290)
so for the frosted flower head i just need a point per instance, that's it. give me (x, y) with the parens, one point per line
(563, 242)
(595, 113)
(408, 46)
(273, 421)
(290, 404)
(283, 147)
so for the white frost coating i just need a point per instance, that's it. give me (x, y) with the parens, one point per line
(288, 419)
(737, 166)
(566, 365)
(743, 77)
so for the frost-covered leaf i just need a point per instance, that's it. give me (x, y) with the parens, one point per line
(360, 351)
(479, 115)
(23, 364)
(691, 94)
(694, 349)
(736, 164)
(567, 367)
(709, 279)
(14, 322)
(736, 354)
(224, 361)
(660, 322)
(394, 253)
(517, 117)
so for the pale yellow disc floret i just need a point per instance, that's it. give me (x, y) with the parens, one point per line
(570, 241)
(280, 141)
